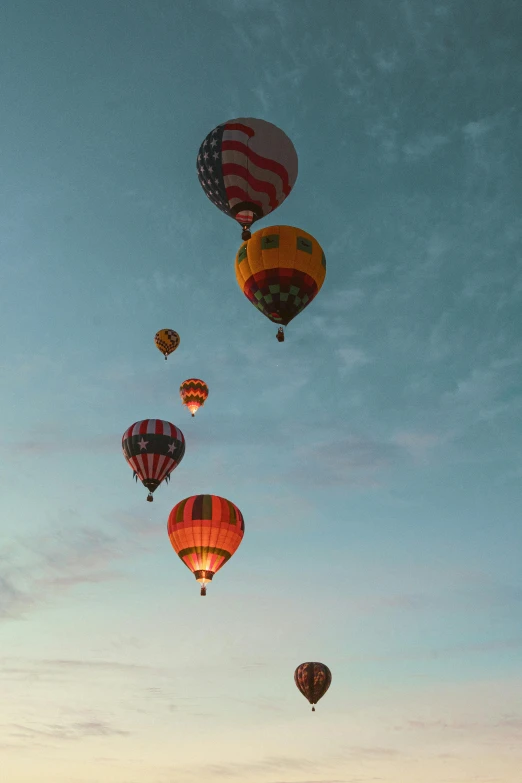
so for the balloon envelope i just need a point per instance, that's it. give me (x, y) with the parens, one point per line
(313, 680)
(193, 393)
(153, 448)
(205, 531)
(166, 341)
(280, 270)
(247, 167)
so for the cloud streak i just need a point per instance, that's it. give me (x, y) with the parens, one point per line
(60, 444)
(41, 567)
(362, 462)
(71, 732)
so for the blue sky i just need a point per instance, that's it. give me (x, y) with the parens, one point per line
(375, 454)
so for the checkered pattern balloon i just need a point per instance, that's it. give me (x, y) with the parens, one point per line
(280, 270)
(166, 341)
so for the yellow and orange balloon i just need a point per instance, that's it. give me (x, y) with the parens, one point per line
(193, 393)
(280, 270)
(205, 531)
(166, 341)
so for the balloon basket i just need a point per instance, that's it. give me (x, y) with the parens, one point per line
(150, 498)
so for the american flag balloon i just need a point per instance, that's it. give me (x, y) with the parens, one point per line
(247, 167)
(153, 448)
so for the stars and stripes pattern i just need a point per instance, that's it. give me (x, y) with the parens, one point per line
(153, 448)
(247, 167)
(210, 171)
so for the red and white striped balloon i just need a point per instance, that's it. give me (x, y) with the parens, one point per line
(153, 448)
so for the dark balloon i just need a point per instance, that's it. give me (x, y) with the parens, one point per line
(313, 680)
(153, 448)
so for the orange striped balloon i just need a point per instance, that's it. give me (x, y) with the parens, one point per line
(193, 393)
(205, 531)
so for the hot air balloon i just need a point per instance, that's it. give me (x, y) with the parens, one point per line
(313, 680)
(280, 269)
(247, 167)
(153, 448)
(205, 531)
(193, 393)
(166, 340)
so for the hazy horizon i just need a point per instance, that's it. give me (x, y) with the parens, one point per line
(375, 455)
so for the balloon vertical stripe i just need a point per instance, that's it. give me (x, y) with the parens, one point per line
(313, 680)
(205, 531)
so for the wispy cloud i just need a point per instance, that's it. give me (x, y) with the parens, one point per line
(506, 729)
(351, 357)
(438, 653)
(486, 391)
(66, 669)
(316, 780)
(419, 444)
(13, 600)
(478, 128)
(363, 461)
(387, 61)
(373, 752)
(64, 732)
(349, 462)
(424, 145)
(37, 569)
(267, 766)
(60, 443)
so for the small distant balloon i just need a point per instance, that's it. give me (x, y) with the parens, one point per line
(193, 393)
(313, 680)
(166, 341)
(153, 448)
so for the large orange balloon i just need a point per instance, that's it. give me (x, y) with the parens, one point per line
(205, 531)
